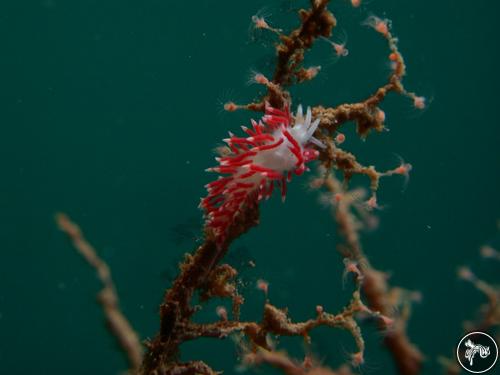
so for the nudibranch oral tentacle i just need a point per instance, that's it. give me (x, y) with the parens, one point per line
(272, 150)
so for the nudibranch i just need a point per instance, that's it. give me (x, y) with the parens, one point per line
(278, 145)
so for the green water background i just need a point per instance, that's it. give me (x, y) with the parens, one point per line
(110, 111)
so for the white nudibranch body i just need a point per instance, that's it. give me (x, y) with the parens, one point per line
(267, 157)
(282, 159)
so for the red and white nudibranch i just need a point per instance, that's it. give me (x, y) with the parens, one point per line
(265, 158)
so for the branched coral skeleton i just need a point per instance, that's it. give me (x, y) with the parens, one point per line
(203, 273)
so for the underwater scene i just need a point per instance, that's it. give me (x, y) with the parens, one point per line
(249, 187)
